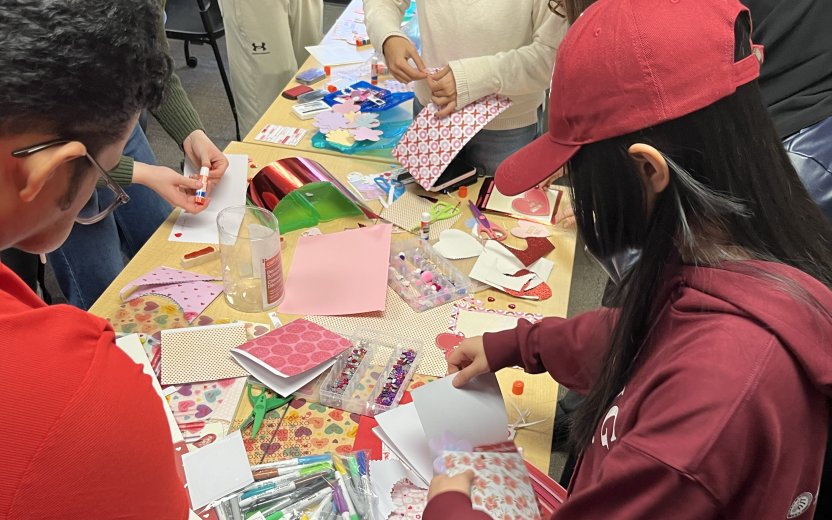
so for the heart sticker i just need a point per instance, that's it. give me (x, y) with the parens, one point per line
(534, 203)
(455, 244)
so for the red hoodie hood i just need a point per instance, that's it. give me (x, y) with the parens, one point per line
(794, 306)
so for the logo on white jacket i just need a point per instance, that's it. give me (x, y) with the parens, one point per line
(800, 505)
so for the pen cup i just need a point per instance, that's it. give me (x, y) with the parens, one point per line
(250, 258)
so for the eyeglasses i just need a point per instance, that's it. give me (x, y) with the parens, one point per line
(556, 6)
(91, 212)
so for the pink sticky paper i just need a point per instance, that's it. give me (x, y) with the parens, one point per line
(430, 144)
(339, 273)
(192, 292)
(296, 347)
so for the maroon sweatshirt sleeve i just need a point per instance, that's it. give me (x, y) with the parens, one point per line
(569, 349)
(452, 504)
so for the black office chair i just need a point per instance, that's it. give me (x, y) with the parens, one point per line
(200, 21)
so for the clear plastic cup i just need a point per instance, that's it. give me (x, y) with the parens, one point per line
(250, 258)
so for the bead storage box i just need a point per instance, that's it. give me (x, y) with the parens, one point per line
(370, 377)
(422, 277)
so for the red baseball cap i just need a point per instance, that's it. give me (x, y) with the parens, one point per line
(626, 65)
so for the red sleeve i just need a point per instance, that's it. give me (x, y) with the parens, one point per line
(571, 350)
(636, 485)
(452, 504)
(109, 452)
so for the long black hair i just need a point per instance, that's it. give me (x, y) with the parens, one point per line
(732, 188)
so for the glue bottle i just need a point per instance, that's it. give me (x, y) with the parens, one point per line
(424, 226)
(374, 70)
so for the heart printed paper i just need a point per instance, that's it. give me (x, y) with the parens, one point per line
(430, 144)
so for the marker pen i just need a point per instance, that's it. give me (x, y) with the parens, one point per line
(202, 192)
(299, 461)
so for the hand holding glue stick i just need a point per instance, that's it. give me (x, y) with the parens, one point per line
(202, 192)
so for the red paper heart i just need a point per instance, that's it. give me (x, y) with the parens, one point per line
(533, 202)
(178, 235)
(447, 342)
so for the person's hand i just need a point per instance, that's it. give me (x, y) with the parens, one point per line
(468, 359)
(565, 215)
(203, 152)
(174, 187)
(397, 50)
(443, 483)
(443, 91)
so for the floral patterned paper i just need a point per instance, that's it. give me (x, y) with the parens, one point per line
(502, 487)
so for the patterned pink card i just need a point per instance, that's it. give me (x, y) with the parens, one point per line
(430, 144)
(191, 291)
(296, 347)
(502, 487)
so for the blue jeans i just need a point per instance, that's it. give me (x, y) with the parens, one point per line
(810, 151)
(91, 258)
(489, 148)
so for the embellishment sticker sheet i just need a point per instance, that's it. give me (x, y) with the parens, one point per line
(430, 144)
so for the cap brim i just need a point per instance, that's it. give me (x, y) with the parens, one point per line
(532, 164)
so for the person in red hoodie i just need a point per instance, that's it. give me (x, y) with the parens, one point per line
(82, 432)
(708, 386)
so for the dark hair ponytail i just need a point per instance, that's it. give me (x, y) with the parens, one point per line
(731, 185)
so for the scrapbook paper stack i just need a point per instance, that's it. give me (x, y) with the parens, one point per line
(450, 430)
(291, 356)
(192, 292)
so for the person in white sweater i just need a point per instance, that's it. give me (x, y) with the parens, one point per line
(483, 47)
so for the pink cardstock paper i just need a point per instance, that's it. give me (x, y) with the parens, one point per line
(192, 292)
(430, 144)
(296, 347)
(339, 273)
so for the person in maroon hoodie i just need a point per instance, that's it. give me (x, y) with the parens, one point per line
(708, 387)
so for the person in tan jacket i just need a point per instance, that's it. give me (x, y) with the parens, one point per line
(481, 47)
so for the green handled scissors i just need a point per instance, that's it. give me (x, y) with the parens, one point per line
(442, 211)
(262, 404)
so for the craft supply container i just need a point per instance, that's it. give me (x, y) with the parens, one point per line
(409, 260)
(366, 392)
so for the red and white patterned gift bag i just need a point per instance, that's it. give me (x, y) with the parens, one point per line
(430, 144)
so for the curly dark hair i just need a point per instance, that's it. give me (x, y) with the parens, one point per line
(80, 68)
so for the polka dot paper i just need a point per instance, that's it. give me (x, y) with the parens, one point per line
(296, 347)
(192, 292)
(430, 144)
(201, 353)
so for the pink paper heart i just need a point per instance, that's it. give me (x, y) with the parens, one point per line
(184, 406)
(533, 202)
(526, 229)
(447, 341)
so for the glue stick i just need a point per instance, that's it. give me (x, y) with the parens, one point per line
(374, 70)
(202, 192)
(424, 226)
